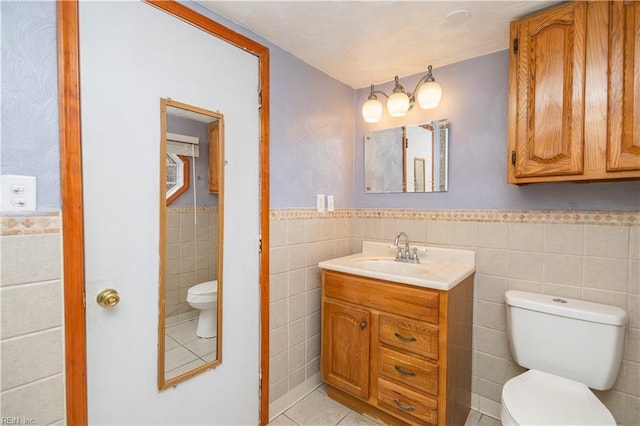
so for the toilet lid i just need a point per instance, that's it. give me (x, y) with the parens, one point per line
(208, 287)
(538, 398)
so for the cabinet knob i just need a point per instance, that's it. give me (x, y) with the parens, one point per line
(363, 325)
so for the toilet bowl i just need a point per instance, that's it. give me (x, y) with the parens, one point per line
(569, 346)
(204, 297)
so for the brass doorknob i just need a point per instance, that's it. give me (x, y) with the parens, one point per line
(108, 298)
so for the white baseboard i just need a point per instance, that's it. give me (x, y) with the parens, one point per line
(283, 403)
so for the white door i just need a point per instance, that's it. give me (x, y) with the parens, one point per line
(133, 54)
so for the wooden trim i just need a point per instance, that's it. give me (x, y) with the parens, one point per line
(216, 29)
(185, 179)
(72, 212)
(264, 226)
(71, 193)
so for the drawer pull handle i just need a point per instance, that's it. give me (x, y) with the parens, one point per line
(405, 372)
(403, 406)
(363, 325)
(405, 338)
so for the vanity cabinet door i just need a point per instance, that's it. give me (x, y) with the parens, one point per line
(623, 148)
(345, 348)
(548, 62)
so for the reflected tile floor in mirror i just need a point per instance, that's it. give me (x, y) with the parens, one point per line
(185, 351)
(317, 409)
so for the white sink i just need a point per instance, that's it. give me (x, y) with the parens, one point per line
(439, 268)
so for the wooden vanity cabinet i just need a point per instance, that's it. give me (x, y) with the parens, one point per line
(398, 353)
(573, 84)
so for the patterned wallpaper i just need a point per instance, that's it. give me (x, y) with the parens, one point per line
(30, 97)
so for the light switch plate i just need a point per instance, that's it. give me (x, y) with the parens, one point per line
(330, 206)
(17, 193)
(320, 203)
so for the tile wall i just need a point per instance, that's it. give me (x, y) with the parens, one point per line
(31, 316)
(593, 256)
(192, 256)
(296, 247)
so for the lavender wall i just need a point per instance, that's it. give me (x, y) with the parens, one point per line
(475, 103)
(30, 97)
(311, 129)
(313, 122)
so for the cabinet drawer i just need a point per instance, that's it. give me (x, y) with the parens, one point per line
(407, 403)
(413, 336)
(400, 299)
(408, 370)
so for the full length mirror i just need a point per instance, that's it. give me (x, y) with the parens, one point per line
(407, 158)
(191, 217)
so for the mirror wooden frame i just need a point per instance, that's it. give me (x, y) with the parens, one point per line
(72, 207)
(216, 152)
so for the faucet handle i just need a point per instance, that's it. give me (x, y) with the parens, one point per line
(414, 255)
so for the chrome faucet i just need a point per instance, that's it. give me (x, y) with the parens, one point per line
(405, 253)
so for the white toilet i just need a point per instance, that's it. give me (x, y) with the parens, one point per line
(204, 296)
(568, 346)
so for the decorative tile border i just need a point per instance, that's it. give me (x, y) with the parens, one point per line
(49, 223)
(189, 209)
(558, 217)
(295, 214)
(42, 223)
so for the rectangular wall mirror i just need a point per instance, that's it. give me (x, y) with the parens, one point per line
(191, 218)
(407, 159)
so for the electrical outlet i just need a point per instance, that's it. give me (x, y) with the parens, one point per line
(320, 203)
(330, 206)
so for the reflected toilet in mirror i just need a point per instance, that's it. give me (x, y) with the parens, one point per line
(190, 319)
(204, 297)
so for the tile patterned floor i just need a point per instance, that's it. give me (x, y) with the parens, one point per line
(317, 409)
(184, 350)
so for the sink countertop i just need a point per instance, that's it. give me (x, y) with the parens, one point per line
(439, 268)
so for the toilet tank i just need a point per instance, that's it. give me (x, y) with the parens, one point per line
(578, 340)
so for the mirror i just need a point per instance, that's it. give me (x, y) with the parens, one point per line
(407, 159)
(191, 218)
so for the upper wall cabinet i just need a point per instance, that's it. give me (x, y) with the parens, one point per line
(573, 84)
(623, 151)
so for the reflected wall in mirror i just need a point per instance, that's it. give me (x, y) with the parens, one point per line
(191, 218)
(407, 158)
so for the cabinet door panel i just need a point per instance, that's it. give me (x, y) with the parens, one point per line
(550, 107)
(623, 148)
(345, 347)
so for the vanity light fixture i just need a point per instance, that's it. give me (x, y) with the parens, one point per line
(427, 93)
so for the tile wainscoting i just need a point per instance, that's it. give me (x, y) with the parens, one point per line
(192, 257)
(592, 256)
(586, 255)
(31, 333)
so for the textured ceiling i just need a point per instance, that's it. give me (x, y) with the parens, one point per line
(365, 42)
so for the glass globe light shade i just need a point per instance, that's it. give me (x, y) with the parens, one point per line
(429, 95)
(398, 104)
(372, 111)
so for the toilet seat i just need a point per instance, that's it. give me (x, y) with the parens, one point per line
(203, 291)
(538, 398)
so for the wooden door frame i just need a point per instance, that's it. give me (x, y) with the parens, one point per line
(72, 201)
